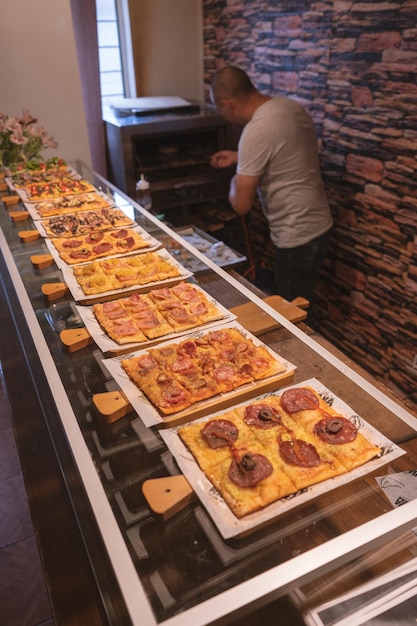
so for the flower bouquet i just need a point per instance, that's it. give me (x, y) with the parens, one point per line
(22, 141)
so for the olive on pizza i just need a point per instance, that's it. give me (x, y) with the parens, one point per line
(262, 416)
(336, 430)
(250, 469)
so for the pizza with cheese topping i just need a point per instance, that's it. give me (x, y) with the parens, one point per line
(176, 376)
(98, 277)
(275, 446)
(99, 243)
(65, 186)
(70, 204)
(84, 223)
(160, 312)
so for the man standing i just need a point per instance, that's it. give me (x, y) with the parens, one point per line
(277, 158)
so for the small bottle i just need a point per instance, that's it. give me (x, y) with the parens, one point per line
(143, 193)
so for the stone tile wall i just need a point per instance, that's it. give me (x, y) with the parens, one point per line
(354, 66)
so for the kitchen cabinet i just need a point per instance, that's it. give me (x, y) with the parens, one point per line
(109, 558)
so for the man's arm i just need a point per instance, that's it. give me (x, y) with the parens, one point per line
(243, 192)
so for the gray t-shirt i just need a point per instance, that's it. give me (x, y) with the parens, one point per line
(279, 144)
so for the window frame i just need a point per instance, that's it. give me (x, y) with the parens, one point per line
(125, 48)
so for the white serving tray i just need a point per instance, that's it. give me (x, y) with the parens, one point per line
(151, 416)
(109, 346)
(34, 214)
(227, 523)
(80, 297)
(153, 244)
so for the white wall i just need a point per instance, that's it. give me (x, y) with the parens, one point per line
(167, 39)
(39, 71)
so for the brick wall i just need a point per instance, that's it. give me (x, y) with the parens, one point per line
(353, 65)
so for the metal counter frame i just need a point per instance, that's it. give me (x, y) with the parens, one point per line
(260, 589)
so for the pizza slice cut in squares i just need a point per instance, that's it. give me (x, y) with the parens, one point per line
(186, 369)
(152, 267)
(236, 463)
(303, 460)
(173, 310)
(120, 274)
(117, 323)
(197, 303)
(230, 478)
(183, 306)
(144, 268)
(180, 319)
(225, 374)
(164, 392)
(147, 316)
(91, 278)
(164, 268)
(253, 360)
(328, 429)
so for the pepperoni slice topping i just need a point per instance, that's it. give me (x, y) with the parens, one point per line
(187, 347)
(173, 395)
(146, 363)
(72, 243)
(184, 366)
(102, 248)
(299, 452)
(299, 399)
(224, 373)
(336, 430)
(120, 234)
(262, 416)
(250, 469)
(219, 433)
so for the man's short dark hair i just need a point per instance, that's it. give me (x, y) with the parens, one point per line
(231, 82)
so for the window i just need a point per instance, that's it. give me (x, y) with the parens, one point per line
(115, 50)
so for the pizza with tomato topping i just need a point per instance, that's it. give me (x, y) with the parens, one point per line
(99, 243)
(51, 164)
(68, 204)
(275, 446)
(141, 317)
(62, 187)
(25, 178)
(83, 223)
(196, 369)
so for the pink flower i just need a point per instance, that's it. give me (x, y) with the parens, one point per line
(21, 140)
(13, 124)
(27, 119)
(18, 139)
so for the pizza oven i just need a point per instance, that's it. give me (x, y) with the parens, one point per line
(173, 151)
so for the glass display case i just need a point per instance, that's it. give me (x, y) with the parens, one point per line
(182, 568)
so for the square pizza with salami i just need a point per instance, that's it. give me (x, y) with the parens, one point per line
(178, 375)
(273, 447)
(98, 244)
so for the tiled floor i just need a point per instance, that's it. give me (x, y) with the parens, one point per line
(23, 597)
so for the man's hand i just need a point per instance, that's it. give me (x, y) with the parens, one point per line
(224, 158)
